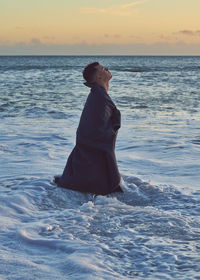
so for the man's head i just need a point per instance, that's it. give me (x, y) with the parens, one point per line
(95, 72)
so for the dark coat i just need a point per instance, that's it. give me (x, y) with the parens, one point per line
(91, 167)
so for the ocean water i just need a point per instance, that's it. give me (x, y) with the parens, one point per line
(152, 230)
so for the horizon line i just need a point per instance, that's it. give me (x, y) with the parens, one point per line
(99, 55)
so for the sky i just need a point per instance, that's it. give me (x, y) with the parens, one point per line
(113, 27)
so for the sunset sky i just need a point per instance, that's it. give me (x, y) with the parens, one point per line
(100, 27)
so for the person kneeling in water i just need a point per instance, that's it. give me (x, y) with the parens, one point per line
(92, 167)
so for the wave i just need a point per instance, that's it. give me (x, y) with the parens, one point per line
(35, 67)
(155, 69)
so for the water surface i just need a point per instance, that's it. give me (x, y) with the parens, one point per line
(150, 231)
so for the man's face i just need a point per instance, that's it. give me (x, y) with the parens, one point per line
(103, 73)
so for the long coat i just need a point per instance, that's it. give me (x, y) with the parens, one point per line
(91, 167)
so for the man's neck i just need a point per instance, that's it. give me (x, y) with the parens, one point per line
(105, 85)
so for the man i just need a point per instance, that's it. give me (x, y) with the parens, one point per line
(91, 167)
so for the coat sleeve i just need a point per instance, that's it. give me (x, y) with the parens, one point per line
(96, 123)
(116, 119)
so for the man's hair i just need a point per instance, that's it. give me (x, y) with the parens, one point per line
(90, 71)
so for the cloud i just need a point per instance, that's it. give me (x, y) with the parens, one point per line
(132, 4)
(86, 10)
(117, 36)
(112, 36)
(35, 41)
(49, 37)
(168, 38)
(122, 9)
(134, 37)
(188, 32)
(19, 27)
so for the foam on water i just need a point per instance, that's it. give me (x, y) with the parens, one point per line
(152, 230)
(145, 232)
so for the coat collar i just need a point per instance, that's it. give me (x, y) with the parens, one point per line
(91, 85)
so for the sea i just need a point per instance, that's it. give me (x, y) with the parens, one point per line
(152, 230)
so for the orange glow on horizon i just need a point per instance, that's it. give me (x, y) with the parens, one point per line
(106, 22)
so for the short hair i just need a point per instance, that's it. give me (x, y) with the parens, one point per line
(89, 71)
